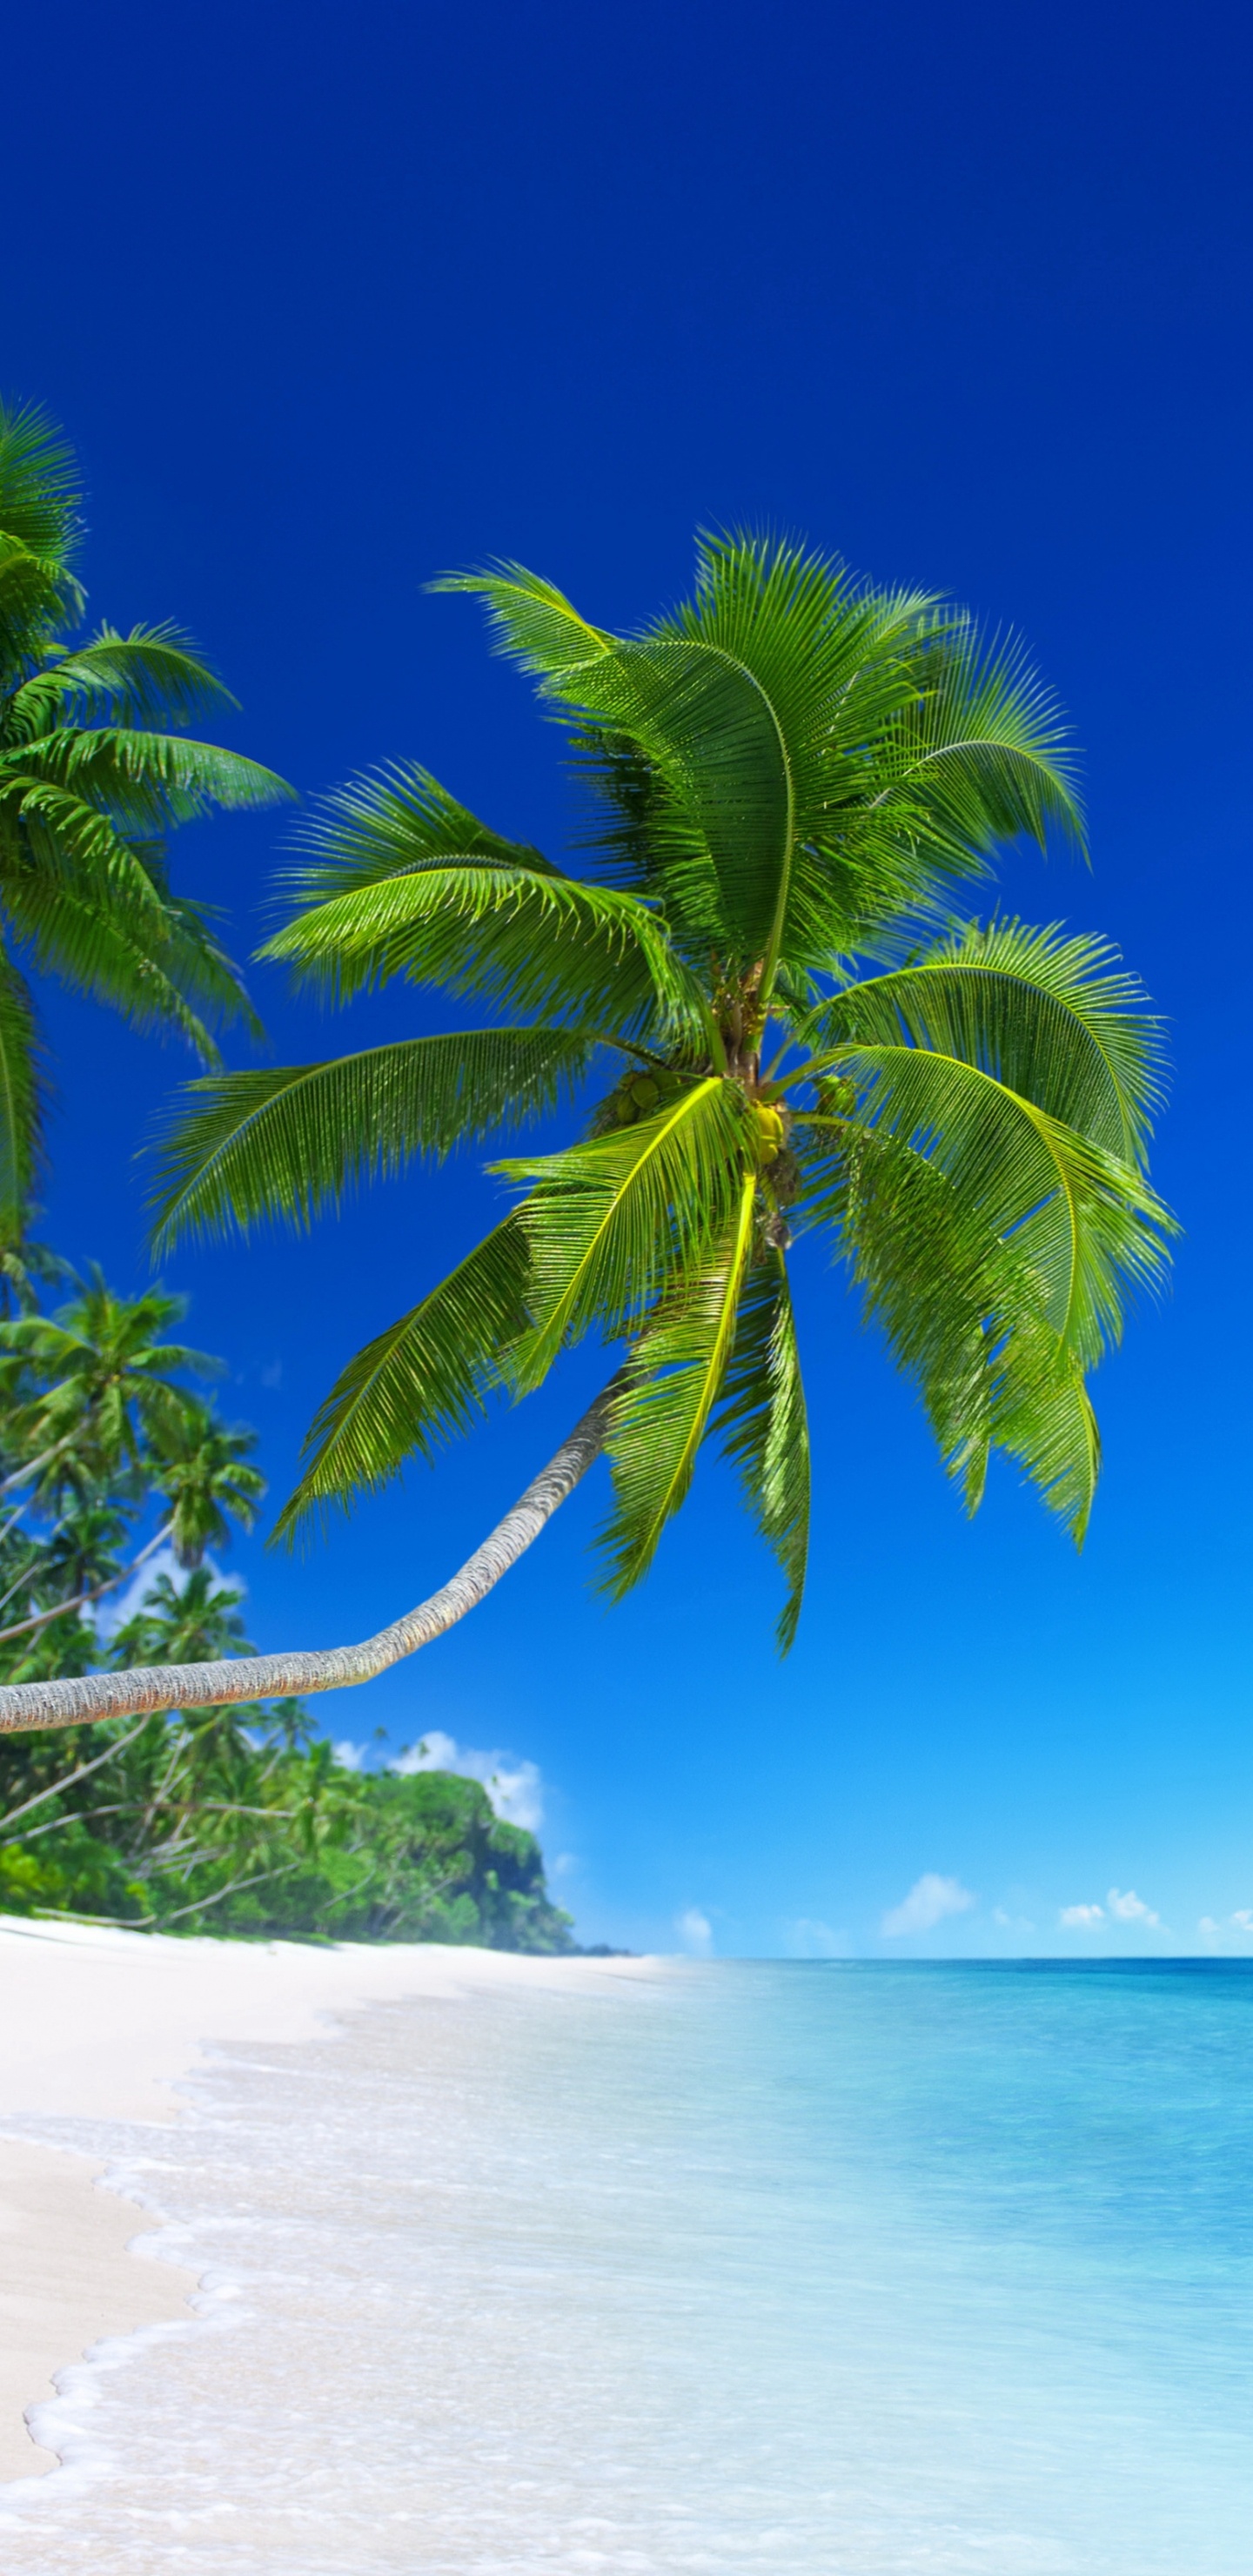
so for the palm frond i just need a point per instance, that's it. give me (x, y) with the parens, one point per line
(965, 1314)
(143, 781)
(659, 1417)
(40, 486)
(531, 620)
(609, 1222)
(285, 1142)
(152, 675)
(21, 1098)
(765, 1427)
(1052, 1018)
(985, 746)
(1087, 1222)
(159, 970)
(408, 883)
(420, 1383)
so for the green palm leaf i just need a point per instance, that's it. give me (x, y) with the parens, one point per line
(533, 622)
(1048, 1016)
(765, 1427)
(609, 1223)
(408, 883)
(964, 1314)
(659, 1417)
(150, 676)
(424, 1380)
(1087, 1222)
(153, 971)
(20, 1099)
(288, 1141)
(143, 781)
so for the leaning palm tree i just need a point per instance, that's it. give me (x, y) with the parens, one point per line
(95, 769)
(784, 1034)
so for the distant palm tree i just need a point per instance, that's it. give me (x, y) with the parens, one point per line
(189, 1623)
(791, 775)
(202, 1469)
(96, 1384)
(95, 768)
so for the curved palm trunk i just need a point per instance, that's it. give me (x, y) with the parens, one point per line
(161, 1686)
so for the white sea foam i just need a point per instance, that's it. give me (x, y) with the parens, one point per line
(805, 2270)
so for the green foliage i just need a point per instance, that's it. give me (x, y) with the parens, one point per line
(96, 769)
(789, 780)
(222, 1819)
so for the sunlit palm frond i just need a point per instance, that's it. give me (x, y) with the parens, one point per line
(407, 883)
(765, 1426)
(152, 675)
(608, 1223)
(965, 1314)
(1051, 1017)
(285, 1142)
(1086, 1221)
(531, 620)
(659, 1417)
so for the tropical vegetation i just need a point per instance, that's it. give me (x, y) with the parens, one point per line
(96, 767)
(235, 1819)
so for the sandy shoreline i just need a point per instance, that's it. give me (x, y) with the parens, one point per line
(102, 2024)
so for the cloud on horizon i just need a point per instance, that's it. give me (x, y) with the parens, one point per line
(695, 1931)
(809, 1939)
(1124, 1907)
(930, 1899)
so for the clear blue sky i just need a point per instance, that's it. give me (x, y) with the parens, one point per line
(330, 298)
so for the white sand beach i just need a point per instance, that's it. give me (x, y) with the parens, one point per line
(102, 2023)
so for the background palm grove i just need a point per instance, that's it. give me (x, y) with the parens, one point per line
(959, 303)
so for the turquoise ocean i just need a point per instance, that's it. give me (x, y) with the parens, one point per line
(813, 2269)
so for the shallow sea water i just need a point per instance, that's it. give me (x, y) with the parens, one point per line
(817, 2269)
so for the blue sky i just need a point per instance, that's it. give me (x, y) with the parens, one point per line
(331, 299)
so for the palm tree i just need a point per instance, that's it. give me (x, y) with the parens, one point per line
(790, 1033)
(95, 768)
(202, 1469)
(192, 1623)
(101, 1387)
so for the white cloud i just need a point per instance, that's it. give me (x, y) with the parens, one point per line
(349, 1755)
(1082, 1918)
(514, 1786)
(929, 1900)
(695, 1931)
(808, 1939)
(1132, 1909)
(1011, 1922)
(1242, 1919)
(114, 1611)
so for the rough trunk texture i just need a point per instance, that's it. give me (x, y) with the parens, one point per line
(245, 1677)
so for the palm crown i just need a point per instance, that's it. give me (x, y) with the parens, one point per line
(95, 768)
(786, 1031)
